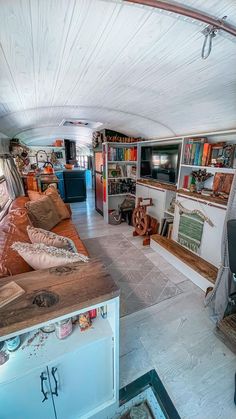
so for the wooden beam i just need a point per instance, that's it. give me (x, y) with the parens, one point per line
(185, 11)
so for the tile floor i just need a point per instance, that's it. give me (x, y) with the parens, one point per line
(174, 336)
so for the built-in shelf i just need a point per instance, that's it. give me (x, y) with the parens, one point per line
(122, 177)
(199, 197)
(169, 213)
(213, 168)
(46, 147)
(38, 348)
(123, 161)
(122, 194)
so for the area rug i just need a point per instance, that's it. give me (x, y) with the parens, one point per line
(146, 398)
(142, 284)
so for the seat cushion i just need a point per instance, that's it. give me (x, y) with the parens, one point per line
(66, 228)
(13, 228)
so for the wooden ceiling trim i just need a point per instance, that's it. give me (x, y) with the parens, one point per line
(185, 11)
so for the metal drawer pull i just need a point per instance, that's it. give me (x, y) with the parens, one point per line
(55, 392)
(42, 388)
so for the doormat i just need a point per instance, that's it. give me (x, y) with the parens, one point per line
(190, 231)
(141, 283)
(146, 398)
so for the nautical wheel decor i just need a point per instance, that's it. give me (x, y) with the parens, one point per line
(144, 224)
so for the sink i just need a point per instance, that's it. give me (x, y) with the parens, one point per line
(45, 299)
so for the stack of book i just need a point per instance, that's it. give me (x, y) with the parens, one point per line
(166, 227)
(197, 152)
(122, 154)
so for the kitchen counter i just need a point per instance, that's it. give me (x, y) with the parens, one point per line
(77, 286)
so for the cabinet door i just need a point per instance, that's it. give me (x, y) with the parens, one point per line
(23, 398)
(85, 380)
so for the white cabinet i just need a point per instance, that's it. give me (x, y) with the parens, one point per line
(22, 398)
(78, 375)
(85, 381)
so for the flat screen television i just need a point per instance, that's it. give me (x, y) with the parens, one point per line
(160, 162)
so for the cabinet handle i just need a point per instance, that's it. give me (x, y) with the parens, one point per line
(42, 387)
(53, 371)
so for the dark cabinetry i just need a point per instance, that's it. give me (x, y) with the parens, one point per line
(75, 185)
(60, 184)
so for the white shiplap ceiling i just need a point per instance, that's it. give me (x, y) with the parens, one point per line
(132, 68)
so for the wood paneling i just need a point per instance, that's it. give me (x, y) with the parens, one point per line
(133, 68)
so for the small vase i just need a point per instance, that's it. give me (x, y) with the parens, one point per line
(199, 186)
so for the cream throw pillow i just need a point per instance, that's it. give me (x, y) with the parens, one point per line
(39, 235)
(40, 256)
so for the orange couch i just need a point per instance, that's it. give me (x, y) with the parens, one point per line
(13, 228)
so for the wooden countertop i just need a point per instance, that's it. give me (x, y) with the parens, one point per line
(157, 184)
(78, 285)
(206, 198)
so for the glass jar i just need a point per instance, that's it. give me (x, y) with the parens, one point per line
(63, 328)
(49, 328)
(13, 344)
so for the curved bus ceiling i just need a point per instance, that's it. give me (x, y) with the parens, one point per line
(117, 65)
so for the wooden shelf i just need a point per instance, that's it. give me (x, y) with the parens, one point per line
(199, 197)
(213, 168)
(124, 177)
(122, 194)
(169, 213)
(122, 161)
(204, 268)
(157, 184)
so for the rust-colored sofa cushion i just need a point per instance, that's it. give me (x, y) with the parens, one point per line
(18, 203)
(12, 229)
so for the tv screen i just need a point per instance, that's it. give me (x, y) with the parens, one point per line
(160, 162)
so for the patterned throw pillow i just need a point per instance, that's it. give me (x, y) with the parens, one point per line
(52, 192)
(43, 213)
(39, 235)
(40, 256)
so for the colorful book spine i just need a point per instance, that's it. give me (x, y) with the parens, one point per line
(200, 155)
(186, 182)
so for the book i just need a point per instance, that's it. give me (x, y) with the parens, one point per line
(186, 182)
(200, 155)
(196, 155)
(10, 292)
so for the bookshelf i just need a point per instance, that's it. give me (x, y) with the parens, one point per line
(214, 207)
(119, 174)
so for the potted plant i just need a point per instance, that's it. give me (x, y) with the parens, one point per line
(200, 177)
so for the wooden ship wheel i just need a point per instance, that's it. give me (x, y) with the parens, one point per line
(144, 224)
(141, 221)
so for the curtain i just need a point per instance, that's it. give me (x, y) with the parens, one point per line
(9, 170)
(217, 299)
